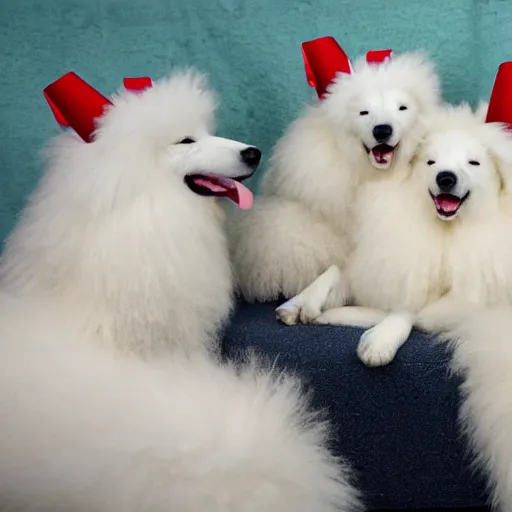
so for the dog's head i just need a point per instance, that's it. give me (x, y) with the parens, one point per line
(465, 164)
(381, 105)
(124, 219)
(160, 137)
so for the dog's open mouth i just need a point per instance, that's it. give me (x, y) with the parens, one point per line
(381, 155)
(447, 205)
(231, 188)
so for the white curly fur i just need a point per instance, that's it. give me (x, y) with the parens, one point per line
(298, 227)
(114, 280)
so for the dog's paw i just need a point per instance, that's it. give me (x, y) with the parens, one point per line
(293, 312)
(309, 313)
(288, 314)
(375, 348)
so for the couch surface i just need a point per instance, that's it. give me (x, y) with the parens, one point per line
(396, 425)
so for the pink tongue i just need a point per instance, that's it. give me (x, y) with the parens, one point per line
(447, 203)
(243, 196)
(227, 187)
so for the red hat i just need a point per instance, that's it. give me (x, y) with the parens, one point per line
(500, 104)
(76, 104)
(378, 56)
(323, 59)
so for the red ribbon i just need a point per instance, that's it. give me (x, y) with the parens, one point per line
(378, 56)
(324, 59)
(137, 84)
(500, 103)
(76, 104)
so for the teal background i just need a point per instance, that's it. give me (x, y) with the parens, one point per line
(251, 49)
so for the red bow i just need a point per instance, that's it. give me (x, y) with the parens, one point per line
(324, 58)
(76, 104)
(378, 56)
(500, 104)
(137, 84)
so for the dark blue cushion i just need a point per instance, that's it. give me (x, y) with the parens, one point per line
(396, 425)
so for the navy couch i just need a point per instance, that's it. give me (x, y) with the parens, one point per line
(396, 425)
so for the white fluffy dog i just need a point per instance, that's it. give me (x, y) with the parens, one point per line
(116, 274)
(367, 127)
(428, 244)
(483, 356)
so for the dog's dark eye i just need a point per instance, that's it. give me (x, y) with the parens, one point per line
(474, 162)
(402, 107)
(431, 162)
(186, 140)
(363, 113)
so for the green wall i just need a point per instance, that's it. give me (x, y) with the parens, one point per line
(251, 49)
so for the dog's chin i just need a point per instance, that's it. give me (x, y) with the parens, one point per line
(210, 185)
(381, 156)
(447, 205)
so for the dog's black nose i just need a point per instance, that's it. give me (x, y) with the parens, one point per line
(382, 132)
(251, 157)
(446, 181)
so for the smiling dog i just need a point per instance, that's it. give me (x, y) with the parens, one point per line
(367, 126)
(113, 288)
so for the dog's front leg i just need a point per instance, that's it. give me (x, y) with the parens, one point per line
(330, 289)
(351, 315)
(378, 346)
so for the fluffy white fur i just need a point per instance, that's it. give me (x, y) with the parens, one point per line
(115, 279)
(115, 235)
(299, 225)
(408, 262)
(483, 356)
